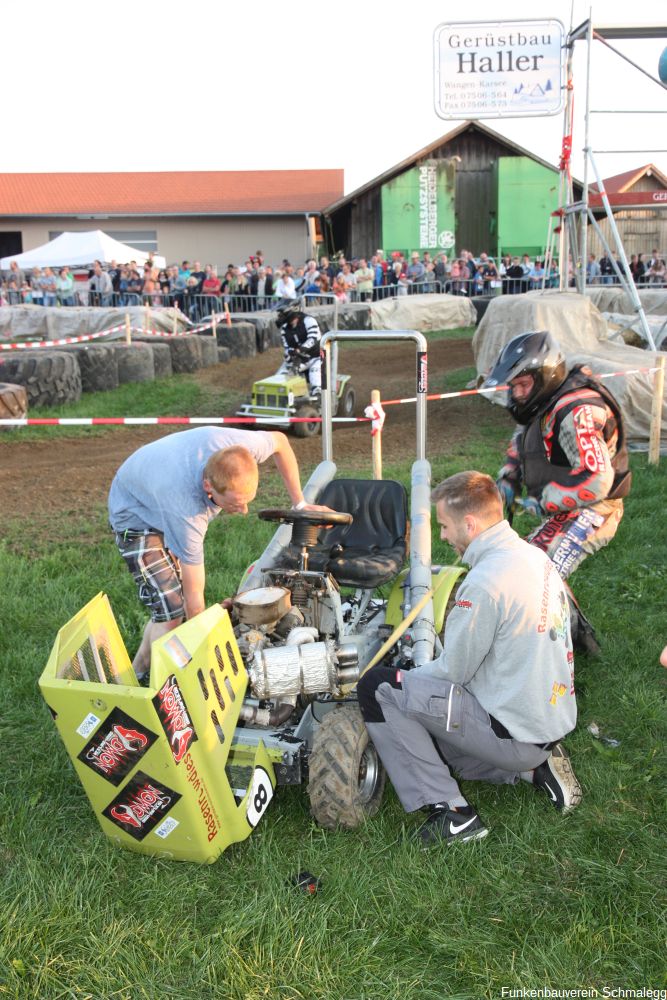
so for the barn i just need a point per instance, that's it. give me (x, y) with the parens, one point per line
(471, 189)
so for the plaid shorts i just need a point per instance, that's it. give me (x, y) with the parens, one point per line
(156, 573)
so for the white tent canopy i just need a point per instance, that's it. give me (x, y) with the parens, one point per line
(79, 249)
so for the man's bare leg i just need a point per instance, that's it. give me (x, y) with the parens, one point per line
(142, 660)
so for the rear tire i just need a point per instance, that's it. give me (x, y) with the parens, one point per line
(347, 778)
(348, 400)
(305, 429)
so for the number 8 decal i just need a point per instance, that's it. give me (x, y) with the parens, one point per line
(260, 794)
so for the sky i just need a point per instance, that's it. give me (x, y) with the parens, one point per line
(268, 86)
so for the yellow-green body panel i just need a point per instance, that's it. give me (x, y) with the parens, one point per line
(152, 759)
(448, 574)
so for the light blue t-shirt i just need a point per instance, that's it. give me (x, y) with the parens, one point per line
(160, 486)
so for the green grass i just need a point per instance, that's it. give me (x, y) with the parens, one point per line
(544, 900)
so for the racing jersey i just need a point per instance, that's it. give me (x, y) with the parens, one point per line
(303, 339)
(573, 453)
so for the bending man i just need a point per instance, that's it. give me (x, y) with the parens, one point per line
(162, 500)
(497, 701)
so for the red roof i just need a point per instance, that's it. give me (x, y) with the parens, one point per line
(170, 192)
(621, 183)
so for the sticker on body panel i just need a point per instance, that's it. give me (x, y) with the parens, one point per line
(174, 718)
(88, 725)
(261, 793)
(117, 746)
(141, 805)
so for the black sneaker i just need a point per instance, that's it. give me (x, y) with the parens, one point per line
(558, 780)
(447, 826)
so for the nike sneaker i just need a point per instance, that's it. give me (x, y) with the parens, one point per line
(445, 825)
(556, 777)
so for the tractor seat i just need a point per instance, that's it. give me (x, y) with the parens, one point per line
(370, 551)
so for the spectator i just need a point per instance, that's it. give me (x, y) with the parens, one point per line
(514, 277)
(592, 271)
(537, 276)
(339, 288)
(429, 277)
(285, 288)
(211, 282)
(637, 269)
(65, 287)
(364, 277)
(349, 280)
(134, 287)
(415, 273)
(526, 267)
(37, 290)
(261, 286)
(48, 285)
(442, 271)
(114, 274)
(326, 267)
(656, 273)
(606, 270)
(16, 275)
(492, 282)
(457, 285)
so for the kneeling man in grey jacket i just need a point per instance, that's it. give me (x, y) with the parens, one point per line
(497, 701)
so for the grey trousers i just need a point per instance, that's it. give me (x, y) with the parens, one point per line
(429, 707)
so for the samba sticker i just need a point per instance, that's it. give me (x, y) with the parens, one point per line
(261, 793)
(174, 718)
(117, 746)
(141, 805)
(88, 725)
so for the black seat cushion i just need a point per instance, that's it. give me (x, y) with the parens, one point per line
(370, 551)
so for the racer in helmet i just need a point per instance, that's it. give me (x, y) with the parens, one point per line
(568, 452)
(301, 337)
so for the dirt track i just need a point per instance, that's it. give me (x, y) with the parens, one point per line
(71, 476)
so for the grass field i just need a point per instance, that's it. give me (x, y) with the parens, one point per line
(543, 901)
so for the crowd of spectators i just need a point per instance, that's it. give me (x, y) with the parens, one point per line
(198, 291)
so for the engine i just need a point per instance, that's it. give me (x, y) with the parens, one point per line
(284, 651)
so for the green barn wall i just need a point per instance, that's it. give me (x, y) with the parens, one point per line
(527, 195)
(418, 208)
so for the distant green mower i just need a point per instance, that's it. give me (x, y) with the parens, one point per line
(287, 394)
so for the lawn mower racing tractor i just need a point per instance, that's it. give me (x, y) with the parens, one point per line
(279, 398)
(240, 704)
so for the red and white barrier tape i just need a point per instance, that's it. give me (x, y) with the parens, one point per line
(502, 388)
(32, 344)
(373, 417)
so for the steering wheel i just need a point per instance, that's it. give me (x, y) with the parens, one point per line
(318, 518)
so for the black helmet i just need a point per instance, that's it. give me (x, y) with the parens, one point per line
(536, 354)
(289, 311)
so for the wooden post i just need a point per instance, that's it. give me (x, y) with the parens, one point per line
(376, 441)
(147, 318)
(214, 325)
(174, 328)
(128, 329)
(656, 412)
(228, 315)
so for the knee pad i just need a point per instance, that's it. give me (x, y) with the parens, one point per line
(366, 689)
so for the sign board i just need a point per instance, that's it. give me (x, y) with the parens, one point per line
(498, 69)
(418, 208)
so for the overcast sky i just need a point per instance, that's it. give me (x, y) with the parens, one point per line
(263, 85)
